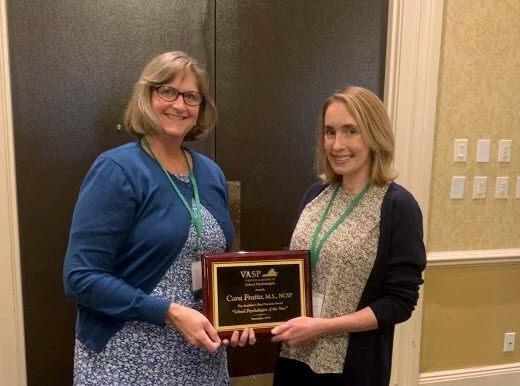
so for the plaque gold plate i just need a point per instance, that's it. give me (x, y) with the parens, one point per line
(259, 290)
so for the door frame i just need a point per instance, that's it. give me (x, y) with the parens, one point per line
(411, 77)
(12, 349)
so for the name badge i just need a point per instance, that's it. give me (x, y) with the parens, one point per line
(317, 303)
(196, 275)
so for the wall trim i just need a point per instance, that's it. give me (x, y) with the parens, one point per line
(14, 351)
(412, 69)
(475, 257)
(503, 375)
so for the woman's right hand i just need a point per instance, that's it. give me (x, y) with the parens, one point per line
(195, 327)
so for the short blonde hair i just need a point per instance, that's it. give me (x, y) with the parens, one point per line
(375, 127)
(139, 117)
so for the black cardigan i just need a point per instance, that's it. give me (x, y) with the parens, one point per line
(392, 289)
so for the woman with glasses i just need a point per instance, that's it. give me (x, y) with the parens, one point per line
(364, 233)
(145, 212)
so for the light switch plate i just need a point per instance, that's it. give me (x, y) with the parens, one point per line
(509, 341)
(479, 187)
(483, 146)
(457, 187)
(517, 187)
(460, 150)
(504, 150)
(501, 187)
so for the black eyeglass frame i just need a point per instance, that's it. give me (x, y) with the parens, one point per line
(156, 88)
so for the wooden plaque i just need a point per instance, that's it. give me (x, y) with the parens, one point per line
(259, 290)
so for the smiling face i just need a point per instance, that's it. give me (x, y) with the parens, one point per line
(176, 118)
(345, 148)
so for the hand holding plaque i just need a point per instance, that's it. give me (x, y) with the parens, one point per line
(257, 290)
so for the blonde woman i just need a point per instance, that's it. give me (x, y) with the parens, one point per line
(364, 232)
(145, 212)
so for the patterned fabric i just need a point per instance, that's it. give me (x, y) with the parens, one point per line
(342, 270)
(144, 354)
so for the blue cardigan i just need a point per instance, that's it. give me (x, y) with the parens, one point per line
(127, 228)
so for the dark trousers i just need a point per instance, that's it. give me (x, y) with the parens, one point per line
(290, 372)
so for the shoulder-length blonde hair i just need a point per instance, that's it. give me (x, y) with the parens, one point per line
(139, 117)
(375, 127)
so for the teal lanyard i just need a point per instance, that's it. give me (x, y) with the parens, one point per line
(317, 244)
(196, 218)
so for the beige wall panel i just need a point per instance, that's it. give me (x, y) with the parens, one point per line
(466, 313)
(478, 98)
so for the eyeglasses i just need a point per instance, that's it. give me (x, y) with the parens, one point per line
(169, 94)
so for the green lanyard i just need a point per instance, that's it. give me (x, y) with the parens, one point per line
(317, 244)
(195, 217)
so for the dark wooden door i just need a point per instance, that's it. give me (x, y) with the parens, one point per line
(73, 65)
(276, 62)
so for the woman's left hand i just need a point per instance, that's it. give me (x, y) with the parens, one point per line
(298, 330)
(248, 335)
